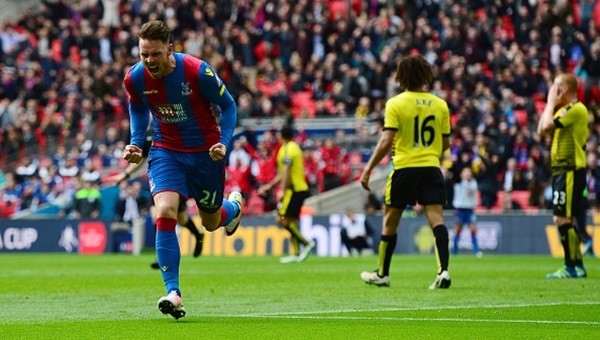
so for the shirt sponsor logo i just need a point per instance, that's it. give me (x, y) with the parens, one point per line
(171, 113)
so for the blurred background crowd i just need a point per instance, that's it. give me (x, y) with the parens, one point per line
(63, 110)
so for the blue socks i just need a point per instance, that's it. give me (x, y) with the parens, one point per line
(230, 211)
(168, 253)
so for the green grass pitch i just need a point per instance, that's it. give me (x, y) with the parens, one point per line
(51, 296)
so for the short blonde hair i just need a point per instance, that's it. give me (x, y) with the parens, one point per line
(570, 81)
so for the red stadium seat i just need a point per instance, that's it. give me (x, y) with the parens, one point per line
(521, 117)
(522, 198)
(303, 104)
(355, 158)
(497, 208)
(595, 94)
(539, 106)
(538, 96)
(571, 65)
(454, 119)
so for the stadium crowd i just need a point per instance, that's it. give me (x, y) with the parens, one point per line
(63, 110)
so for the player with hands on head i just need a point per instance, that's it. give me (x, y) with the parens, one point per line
(189, 143)
(566, 118)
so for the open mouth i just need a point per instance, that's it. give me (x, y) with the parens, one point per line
(153, 69)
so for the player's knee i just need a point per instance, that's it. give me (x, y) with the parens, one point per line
(166, 205)
(283, 221)
(560, 220)
(164, 210)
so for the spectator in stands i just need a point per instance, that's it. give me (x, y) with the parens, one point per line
(240, 176)
(313, 169)
(520, 151)
(111, 16)
(505, 140)
(264, 170)
(86, 204)
(69, 169)
(536, 177)
(510, 182)
(12, 42)
(56, 54)
(486, 169)
(90, 173)
(12, 142)
(591, 66)
(10, 195)
(131, 204)
(238, 153)
(27, 168)
(356, 233)
(332, 155)
(363, 109)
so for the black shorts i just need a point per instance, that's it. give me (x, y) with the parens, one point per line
(423, 185)
(292, 203)
(567, 192)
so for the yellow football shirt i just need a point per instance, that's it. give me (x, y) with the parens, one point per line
(291, 154)
(421, 120)
(571, 134)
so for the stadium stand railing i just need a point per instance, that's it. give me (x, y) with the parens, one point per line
(347, 196)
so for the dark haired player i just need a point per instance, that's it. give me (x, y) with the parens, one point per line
(416, 130)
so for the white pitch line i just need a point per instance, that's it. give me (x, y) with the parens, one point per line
(417, 308)
(378, 318)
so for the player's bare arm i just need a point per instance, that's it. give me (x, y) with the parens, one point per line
(263, 189)
(546, 123)
(445, 143)
(383, 147)
(286, 177)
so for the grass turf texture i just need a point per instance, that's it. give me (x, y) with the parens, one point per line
(50, 296)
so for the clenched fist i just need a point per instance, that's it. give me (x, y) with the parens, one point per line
(133, 154)
(217, 152)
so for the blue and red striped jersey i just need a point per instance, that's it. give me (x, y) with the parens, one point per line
(181, 104)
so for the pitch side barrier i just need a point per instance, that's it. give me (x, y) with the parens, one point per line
(497, 234)
(260, 236)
